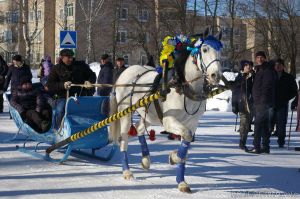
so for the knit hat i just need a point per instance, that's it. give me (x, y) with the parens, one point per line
(66, 52)
(104, 56)
(25, 79)
(120, 59)
(17, 58)
(260, 53)
(245, 62)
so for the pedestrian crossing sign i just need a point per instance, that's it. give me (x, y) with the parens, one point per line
(68, 39)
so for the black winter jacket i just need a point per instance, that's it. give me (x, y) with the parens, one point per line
(77, 73)
(24, 100)
(14, 75)
(264, 86)
(241, 93)
(117, 72)
(286, 89)
(105, 77)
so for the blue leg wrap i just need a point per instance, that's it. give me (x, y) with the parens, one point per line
(183, 148)
(124, 161)
(144, 146)
(180, 168)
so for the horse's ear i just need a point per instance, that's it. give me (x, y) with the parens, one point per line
(197, 35)
(219, 35)
(206, 32)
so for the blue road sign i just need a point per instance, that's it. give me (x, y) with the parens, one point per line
(68, 39)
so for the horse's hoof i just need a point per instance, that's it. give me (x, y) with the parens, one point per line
(146, 162)
(127, 175)
(173, 157)
(184, 187)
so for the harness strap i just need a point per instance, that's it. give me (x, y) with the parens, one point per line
(158, 110)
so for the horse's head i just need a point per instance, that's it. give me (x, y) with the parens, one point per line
(207, 57)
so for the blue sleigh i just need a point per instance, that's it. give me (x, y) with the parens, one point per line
(80, 113)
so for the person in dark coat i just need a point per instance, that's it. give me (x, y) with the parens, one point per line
(3, 72)
(242, 99)
(63, 75)
(286, 89)
(119, 69)
(263, 93)
(15, 71)
(151, 61)
(105, 75)
(31, 105)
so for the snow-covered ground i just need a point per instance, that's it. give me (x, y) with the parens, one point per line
(216, 168)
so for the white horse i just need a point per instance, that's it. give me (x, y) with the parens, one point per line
(180, 113)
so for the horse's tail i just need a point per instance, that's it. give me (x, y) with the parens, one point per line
(114, 129)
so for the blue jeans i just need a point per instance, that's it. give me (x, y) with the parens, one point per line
(59, 112)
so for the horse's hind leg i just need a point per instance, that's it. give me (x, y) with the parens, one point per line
(140, 127)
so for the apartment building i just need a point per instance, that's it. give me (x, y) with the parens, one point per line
(12, 34)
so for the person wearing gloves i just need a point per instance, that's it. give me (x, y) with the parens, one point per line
(31, 105)
(63, 75)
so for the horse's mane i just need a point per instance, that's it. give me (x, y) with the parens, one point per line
(179, 63)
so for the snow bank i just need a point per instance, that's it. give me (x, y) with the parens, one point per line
(222, 102)
(95, 66)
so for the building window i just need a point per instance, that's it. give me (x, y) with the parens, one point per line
(121, 36)
(7, 36)
(236, 47)
(70, 10)
(61, 14)
(2, 37)
(237, 32)
(39, 37)
(39, 15)
(71, 27)
(147, 37)
(143, 59)
(8, 17)
(15, 17)
(31, 16)
(2, 19)
(123, 13)
(143, 15)
(9, 55)
(126, 60)
(226, 31)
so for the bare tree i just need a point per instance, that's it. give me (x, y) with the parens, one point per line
(29, 37)
(91, 10)
(277, 22)
(211, 13)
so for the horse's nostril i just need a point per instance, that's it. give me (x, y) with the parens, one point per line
(213, 75)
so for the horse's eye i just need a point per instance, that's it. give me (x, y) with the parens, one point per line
(205, 50)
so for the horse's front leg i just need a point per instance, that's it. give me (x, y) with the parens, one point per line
(125, 125)
(179, 156)
(140, 127)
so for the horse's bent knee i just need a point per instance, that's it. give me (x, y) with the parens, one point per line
(187, 135)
